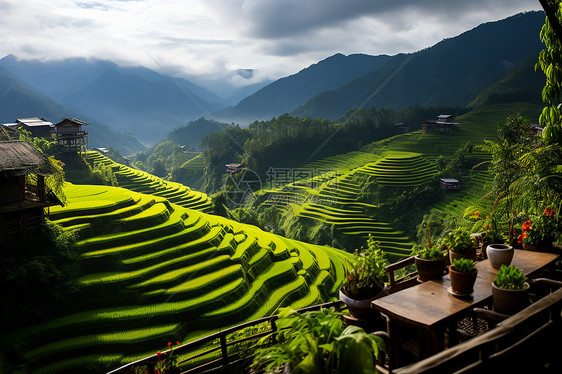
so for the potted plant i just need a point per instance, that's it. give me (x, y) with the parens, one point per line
(430, 262)
(460, 244)
(509, 290)
(317, 342)
(463, 274)
(538, 232)
(365, 280)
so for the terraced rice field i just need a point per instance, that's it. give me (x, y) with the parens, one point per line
(169, 273)
(401, 169)
(143, 182)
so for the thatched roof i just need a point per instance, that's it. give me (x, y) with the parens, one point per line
(21, 158)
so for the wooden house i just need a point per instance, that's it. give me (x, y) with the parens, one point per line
(71, 135)
(443, 123)
(37, 126)
(449, 184)
(233, 168)
(22, 203)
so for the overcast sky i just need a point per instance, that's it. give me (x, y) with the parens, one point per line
(215, 38)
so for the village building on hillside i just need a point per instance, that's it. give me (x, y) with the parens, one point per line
(444, 123)
(71, 135)
(22, 204)
(37, 126)
(449, 184)
(233, 168)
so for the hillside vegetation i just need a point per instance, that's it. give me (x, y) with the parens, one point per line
(154, 271)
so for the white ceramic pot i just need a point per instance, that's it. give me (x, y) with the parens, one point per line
(499, 254)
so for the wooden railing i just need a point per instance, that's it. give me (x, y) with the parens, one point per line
(220, 355)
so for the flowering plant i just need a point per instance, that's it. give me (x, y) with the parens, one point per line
(167, 363)
(487, 224)
(366, 276)
(539, 230)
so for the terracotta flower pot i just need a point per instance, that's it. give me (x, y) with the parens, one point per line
(499, 254)
(462, 283)
(429, 269)
(509, 301)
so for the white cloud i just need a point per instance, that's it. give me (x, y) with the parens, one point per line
(212, 39)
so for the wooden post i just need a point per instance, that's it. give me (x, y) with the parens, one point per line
(224, 350)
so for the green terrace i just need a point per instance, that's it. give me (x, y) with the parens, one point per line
(154, 271)
(143, 182)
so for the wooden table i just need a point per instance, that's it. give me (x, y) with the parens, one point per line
(431, 309)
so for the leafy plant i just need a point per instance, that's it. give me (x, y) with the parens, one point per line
(464, 265)
(459, 241)
(367, 273)
(318, 342)
(510, 277)
(429, 253)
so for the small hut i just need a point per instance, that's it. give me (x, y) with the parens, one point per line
(443, 123)
(449, 184)
(233, 168)
(22, 204)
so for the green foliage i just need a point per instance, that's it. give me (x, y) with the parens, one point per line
(510, 277)
(429, 253)
(506, 166)
(459, 240)
(105, 174)
(318, 342)
(37, 271)
(550, 62)
(464, 265)
(367, 273)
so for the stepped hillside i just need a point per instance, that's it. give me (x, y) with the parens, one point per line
(154, 271)
(337, 198)
(143, 182)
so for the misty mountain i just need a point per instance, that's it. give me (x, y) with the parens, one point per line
(285, 94)
(18, 100)
(129, 99)
(451, 73)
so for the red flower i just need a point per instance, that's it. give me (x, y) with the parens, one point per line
(476, 214)
(520, 239)
(156, 371)
(158, 353)
(487, 216)
(526, 226)
(177, 343)
(548, 211)
(169, 344)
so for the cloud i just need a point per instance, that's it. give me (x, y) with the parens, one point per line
(214, 39)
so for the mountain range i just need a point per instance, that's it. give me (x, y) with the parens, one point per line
(148, 104)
